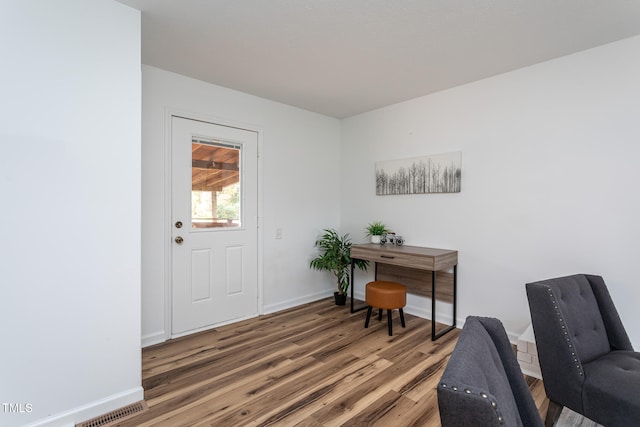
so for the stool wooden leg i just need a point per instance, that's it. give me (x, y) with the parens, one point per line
(366, 323)
(401, 317)
(389, 322)
(379, 314)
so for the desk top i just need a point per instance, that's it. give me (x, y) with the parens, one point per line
(408, 256)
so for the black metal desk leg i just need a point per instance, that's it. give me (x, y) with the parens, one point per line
(351, 278)
(353, 309)
(433, 305)
(435, 336)
(455, 291)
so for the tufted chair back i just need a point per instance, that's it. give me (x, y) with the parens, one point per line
(576, 325)
(482, 384)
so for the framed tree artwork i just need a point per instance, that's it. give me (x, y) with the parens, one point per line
(439, 173)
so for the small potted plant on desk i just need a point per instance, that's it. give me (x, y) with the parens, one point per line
(376, 230)
(336, 258)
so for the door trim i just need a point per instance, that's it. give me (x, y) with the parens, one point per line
(167, 231)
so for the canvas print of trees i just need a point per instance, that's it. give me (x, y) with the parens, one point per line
(438, 173)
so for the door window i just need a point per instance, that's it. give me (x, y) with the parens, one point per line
(215, 185)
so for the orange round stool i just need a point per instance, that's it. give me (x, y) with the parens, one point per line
(385, 296)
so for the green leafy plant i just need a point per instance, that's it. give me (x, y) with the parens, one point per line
(336, 257)
(376, 229)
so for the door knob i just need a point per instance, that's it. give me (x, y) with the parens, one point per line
(179, 240)
(179, 224)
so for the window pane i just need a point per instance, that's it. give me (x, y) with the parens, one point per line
(215, 185)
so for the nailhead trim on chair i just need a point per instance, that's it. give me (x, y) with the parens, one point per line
(482, 394)
(565, 331)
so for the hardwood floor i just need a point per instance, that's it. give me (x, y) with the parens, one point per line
(313, 365)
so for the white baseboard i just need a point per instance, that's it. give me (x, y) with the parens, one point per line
(284, 305)
(160, 337)
(152, 339)
(531, 372)
(422, 308)
(513, 337)
(91, 410)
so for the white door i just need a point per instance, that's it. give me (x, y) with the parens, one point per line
(214, 224)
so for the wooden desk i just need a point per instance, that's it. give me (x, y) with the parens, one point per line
(415, 267)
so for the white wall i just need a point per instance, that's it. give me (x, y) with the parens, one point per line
(70, 185)
(299, 179)
(549, 179)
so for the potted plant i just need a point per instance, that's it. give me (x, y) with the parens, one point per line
(336, 258)
(376, 230)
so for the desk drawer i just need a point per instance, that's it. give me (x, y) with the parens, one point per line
(407, 256)
(414, 261)
(393, 257)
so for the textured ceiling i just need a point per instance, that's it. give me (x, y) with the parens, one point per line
(345, 57)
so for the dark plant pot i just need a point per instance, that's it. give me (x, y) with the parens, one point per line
(341, 299)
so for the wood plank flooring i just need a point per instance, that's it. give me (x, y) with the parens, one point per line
(313, 365)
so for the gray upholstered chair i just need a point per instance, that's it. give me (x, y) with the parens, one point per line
(586, 358)
(482, 384)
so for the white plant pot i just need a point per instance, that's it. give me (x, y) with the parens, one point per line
(375, 239)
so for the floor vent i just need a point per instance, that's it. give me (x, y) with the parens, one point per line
(116, 416)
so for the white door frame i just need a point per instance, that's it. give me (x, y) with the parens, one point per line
(167, 230)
